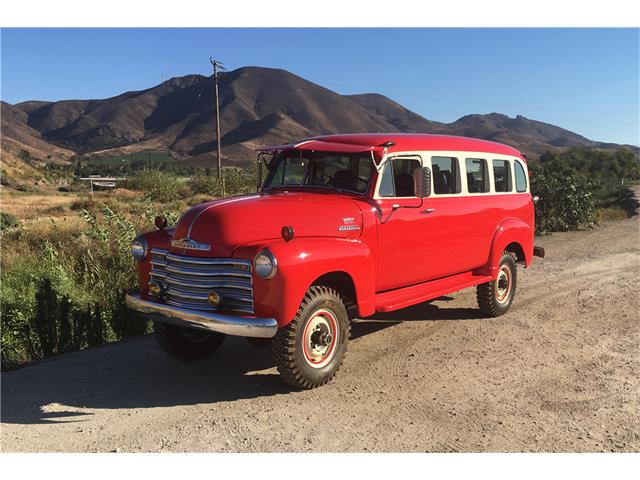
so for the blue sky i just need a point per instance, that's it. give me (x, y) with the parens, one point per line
(585, 80)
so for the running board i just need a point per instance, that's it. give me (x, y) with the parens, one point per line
(407, 296)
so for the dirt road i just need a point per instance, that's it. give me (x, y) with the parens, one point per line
(560, 372)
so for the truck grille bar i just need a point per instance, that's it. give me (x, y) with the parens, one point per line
(188, 281)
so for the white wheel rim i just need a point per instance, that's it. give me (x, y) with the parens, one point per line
(503, 285)
(321, 335)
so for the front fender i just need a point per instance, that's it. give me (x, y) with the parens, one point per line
(510, 230)
(303, 260)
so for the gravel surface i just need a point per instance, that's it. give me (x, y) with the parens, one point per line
(559, 372)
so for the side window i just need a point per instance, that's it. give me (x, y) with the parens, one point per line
(477, 175)
(387, 188)
(502, 175)
(403, 179)
(521, 178)
(398, 178)
(446, 175)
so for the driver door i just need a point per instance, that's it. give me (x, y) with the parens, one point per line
(402, 226)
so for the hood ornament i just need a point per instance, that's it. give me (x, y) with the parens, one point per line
(188, 244)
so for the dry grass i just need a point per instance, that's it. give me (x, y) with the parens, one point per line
(47, 204)
(30, 206)
(611, 213)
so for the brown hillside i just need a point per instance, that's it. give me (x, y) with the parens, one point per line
(258, 106)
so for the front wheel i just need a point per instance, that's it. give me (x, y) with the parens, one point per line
(309, 351)
(495, 297)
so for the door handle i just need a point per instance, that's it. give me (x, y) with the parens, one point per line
(428, 210)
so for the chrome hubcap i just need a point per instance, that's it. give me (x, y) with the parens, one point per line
(320, 338)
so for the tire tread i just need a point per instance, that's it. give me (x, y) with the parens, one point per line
(284, 343)
(485, 293)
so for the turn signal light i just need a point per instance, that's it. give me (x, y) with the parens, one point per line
(155, 289)
(213, 298)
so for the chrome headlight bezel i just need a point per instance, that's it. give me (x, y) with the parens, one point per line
(265, 264)
(139, 249)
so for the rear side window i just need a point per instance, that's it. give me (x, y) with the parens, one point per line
(502, 175)
(521, 178)
(446, 175)
(477, 175)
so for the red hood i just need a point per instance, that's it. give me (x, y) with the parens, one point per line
(228, 223)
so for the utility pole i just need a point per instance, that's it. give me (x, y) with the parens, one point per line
(218, 66)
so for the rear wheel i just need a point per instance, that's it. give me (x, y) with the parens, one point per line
(309, 351)
(495, 297)
(187, 343)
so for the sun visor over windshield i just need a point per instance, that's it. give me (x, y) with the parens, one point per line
(319, 146)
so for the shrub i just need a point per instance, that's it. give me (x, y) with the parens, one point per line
(157, 186)
(8, 220)
(566, 202)
(66, 293)
(237, 182)
(24, 155)
(574, 184)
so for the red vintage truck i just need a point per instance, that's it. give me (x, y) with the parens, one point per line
(343, 226)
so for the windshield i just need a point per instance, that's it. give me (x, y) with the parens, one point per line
(338, 171)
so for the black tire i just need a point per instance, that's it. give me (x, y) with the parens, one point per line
(322, 314)
(187, 343)
(492, 299)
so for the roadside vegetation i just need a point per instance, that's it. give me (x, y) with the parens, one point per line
(580, 186)
(66, 266)
(65, 262)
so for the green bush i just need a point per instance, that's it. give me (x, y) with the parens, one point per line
(8, 220)
(157, 186)
(574, 184)
(566, 203)
(69, 294)
(236, 182)
(24, 155)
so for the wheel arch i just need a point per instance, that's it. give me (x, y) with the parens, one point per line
(343, 283)
(343, 264)
(515, 236)
(516, 249)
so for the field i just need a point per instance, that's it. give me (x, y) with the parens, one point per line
(149, 158)
(559, 372)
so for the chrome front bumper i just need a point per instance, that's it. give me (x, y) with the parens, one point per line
(201, 320)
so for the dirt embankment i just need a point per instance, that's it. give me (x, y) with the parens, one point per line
(559, 372)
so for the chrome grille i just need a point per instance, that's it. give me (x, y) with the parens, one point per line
(188, 280)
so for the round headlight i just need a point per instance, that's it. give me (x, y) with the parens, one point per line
(139, 249)
(265, 264)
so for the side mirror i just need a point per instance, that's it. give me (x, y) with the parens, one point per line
(422, 178)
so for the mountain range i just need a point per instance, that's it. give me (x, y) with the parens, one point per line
(258, 106)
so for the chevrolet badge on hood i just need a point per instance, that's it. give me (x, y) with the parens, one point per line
(189, 244)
